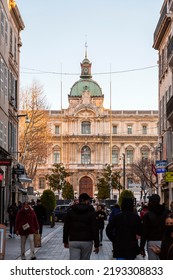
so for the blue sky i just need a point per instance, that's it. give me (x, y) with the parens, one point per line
(119, 38)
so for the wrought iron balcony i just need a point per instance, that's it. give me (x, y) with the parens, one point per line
(171, 5)
(163, 23)
(169, 110)
(170, 53)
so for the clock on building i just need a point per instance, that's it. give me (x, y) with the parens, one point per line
(85, 70)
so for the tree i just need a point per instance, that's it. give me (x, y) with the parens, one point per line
(35, 136)
(68, 191)
(143, 169)
(56, 177)
(48, 200)
(125, 194)
(107, 182)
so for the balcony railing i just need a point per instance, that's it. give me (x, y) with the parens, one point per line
(163, 23)
(170, 52)
(169, 110)
(171, 5)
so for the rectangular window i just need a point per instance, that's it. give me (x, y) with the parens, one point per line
(144, 129)
(2, 23)
(114, 156)
(2, 77)
(15, 48)
(1, 133)
(56, 157)
(6, 33)
(56, 129)
(115, 129)
(11, 40)
(5, 137)
(41, 183)
(86, 128)
(129, 129)
(129, 156)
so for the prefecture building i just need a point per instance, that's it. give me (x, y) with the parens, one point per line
(87, 136)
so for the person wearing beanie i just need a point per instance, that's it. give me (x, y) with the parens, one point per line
(153, 227)
(80, 229)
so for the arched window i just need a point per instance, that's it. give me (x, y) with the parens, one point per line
(86, 128)
(85, 155)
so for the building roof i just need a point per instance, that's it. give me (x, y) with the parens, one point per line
(86, 85)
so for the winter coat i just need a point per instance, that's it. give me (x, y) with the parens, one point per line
(153, 224)
(26, 216)
(101, 217)
(166, 248)
(80, 224)
(122, 230)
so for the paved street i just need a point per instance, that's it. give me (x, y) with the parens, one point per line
(52, 246)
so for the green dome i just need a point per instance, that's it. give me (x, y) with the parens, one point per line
(86, 85)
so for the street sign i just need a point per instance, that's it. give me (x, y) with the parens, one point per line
(161, 166)
(134, 185)
(169, 176)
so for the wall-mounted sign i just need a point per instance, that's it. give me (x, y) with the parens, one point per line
(5, 161)
(161, 166)
(169, 176)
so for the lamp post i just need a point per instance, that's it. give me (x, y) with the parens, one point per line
(124, 171)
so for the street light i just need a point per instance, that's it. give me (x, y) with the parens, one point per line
(124, 171)
(27, 120)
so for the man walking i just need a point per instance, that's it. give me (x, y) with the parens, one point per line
(123, 230)
(153, 226)
(80, 229)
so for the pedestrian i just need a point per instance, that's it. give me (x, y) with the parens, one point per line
(101, 217)
(80, 229)
(40, 212)
(124, 230)
(26, 226)
(153, 226)
(12, 212)
(144, 210)
(115, 210)
(166, 250)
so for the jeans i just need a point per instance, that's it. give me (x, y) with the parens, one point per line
(80, 250)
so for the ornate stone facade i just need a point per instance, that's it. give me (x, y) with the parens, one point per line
(86, 136)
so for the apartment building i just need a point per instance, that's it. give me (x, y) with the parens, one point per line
(163, 43)
(11, 25)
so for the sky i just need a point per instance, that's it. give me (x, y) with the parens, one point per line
(119, 37)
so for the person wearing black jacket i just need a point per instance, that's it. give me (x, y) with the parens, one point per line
(123, 230)
(153, 224)
(101, 218)
(80, 229)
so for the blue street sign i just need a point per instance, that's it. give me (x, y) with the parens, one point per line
(161, 166)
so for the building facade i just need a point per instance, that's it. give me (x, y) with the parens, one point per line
(163, 43)
(11, 25)
(86, 137)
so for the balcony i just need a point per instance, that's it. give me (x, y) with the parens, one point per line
(170, 52)
(163, 23)
(169, 110)
(171, 5)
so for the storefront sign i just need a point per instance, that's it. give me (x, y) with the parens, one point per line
(5, 162)
(169, 176)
